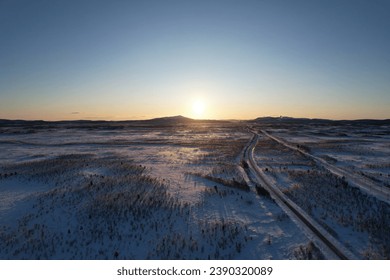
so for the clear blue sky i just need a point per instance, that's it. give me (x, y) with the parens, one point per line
(240, 59)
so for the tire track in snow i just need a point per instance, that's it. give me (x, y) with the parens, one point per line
(379, 192)
(331, 248)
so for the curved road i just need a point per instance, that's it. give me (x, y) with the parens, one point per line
(326, 241)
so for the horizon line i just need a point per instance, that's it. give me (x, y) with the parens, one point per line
(194, 119)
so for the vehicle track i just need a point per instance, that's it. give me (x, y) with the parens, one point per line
(324, 240)
(379, 192)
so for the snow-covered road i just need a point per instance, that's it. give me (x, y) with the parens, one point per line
(330, 247)
(379, 192)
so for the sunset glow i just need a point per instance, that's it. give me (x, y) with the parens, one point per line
(198, 109)
(136, 60)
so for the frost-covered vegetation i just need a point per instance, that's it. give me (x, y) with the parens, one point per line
(308, 252)
(144, 191)
(110, 208)
(357, 219)
(180, 191)
(335, 204)
(361, 149)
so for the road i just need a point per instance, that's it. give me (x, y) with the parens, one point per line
(352, 178)
(328, 245)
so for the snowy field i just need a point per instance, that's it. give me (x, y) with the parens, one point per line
(173, 188)
(354, 216)
(136, 190)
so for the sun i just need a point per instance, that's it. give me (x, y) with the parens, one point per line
(198, 108)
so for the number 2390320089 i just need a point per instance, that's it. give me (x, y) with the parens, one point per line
(240, 270)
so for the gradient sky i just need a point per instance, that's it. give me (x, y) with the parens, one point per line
(243, 59)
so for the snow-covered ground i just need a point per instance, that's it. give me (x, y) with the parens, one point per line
(172, 192)
(362, 150)
(357, 219)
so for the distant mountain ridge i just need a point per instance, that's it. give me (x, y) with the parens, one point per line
(181, 120)
(173, 119)
(292, 120)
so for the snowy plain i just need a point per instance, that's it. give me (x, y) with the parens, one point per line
(136, 192)
(357, 218)
(162, 190)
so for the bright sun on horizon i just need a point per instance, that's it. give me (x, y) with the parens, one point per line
(127, 60)
(198, 108)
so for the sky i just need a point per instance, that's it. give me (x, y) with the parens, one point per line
(222, 59)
